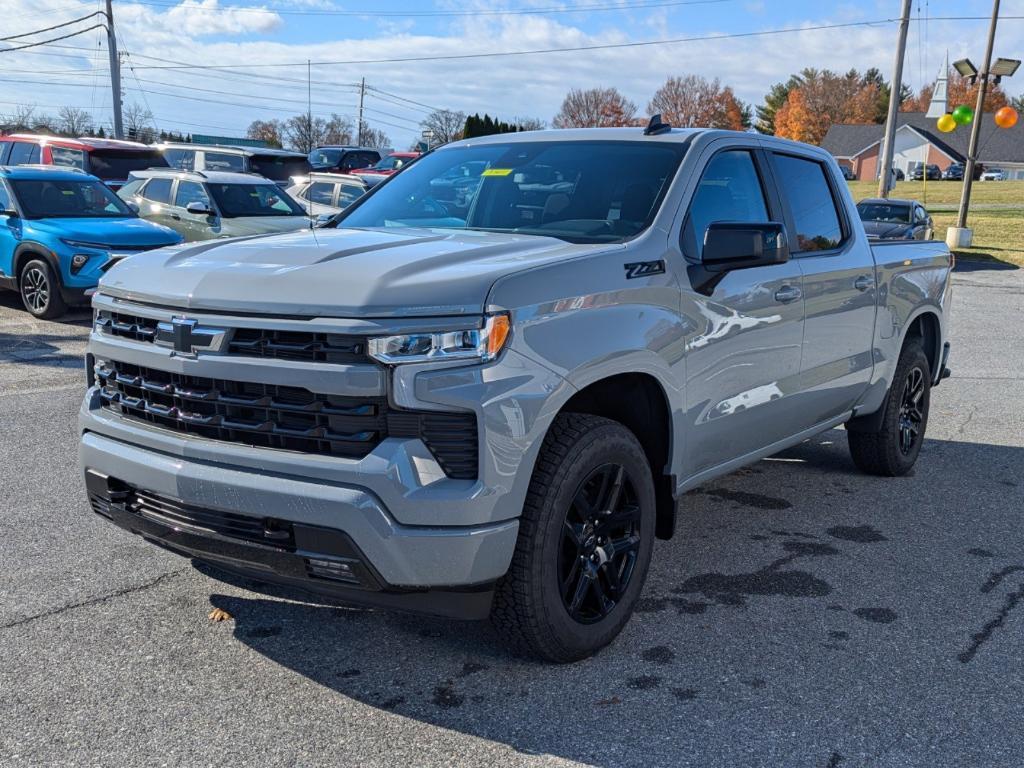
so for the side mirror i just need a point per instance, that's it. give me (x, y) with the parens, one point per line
(198, 208)
(323, 219)
(730, 245)
(9, 212)
(133, 206)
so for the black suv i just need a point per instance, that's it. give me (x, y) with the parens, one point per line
(955, 172)
(934, 173)
(337, 159)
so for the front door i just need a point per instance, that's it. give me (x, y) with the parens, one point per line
(839, 289)
(743, 351)
(10, 228)
(193, 226)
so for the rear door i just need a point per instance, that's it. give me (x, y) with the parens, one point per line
(839, 287)
(743, 357)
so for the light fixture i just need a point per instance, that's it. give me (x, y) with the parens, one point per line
(1004, 67)
(965, 68)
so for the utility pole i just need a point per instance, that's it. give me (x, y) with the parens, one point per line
(884, 178)
(362, 94)
(309, 106)
(972, 147)
(115, 72)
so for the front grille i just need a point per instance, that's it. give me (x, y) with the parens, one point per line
(269, 532)
(303, 346)
(288, 418)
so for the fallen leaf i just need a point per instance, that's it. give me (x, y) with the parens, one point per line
(219, 614)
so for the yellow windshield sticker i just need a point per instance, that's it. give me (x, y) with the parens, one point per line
(497, 172)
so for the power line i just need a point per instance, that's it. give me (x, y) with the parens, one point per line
(449, 14)
(572, 49)
(55, 26)
(53, 39)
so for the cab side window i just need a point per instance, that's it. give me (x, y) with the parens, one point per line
(190, 192)
(729, 190)
(180, 158)
(803, 183)
(223, 161)
(158, 190)
(73, 158)
(24, 153)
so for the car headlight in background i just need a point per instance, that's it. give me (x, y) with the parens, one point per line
(479, 345)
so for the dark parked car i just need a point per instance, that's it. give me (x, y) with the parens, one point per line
(342, 159)
(934, 173)
(848, 173)
(955, 172)
(895, 219)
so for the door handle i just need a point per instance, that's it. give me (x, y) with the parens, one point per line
(176, 217)
(788, 293)
(864, 283)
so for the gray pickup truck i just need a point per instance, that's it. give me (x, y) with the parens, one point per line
(492, 406)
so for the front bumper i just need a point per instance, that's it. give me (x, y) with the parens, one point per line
(324, 538)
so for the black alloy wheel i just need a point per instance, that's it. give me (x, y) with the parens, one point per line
(600, 542)
(911, 416)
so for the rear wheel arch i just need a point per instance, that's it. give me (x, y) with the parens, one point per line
(926, 328)
(639, 402)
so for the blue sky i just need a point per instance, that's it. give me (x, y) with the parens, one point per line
(159, 36)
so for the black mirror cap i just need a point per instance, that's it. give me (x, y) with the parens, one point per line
(732, 245)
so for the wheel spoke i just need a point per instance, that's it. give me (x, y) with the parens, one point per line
(570, 578)
(629, 513)
(623, 545)
(580, 594)
(605, 603)
(573, 533)
(611, 489)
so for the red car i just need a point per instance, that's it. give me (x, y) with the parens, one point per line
(109, 159)
(387, 166)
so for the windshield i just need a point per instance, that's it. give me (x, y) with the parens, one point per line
(237, 200)
(325, 158)
(114, 165)
(278, 167)
(581, 192)
(390, 163)
(897, 214)
(51, 199)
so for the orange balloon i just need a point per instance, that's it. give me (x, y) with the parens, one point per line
(1006, 117)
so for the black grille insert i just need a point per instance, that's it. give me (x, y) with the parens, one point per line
(304, 346)
(288, 418)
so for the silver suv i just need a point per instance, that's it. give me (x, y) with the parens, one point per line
(278, 165)
(325, 194)
(206, 205)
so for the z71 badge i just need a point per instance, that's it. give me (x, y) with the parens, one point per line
(644, 268)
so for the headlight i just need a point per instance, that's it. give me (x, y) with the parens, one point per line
(480, 345)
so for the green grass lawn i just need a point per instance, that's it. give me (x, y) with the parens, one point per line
(996, 215)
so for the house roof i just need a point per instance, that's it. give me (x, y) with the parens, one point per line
(997, 145)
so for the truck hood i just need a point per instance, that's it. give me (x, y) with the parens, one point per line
(119, 233)
(337, 272)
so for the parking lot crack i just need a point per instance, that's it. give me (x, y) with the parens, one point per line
(94, 600)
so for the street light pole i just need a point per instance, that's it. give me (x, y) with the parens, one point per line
(964, 238)
(894, 103)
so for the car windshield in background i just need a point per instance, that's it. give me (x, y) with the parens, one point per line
(325, 158)
(52, 199)
(390, 163)
(898, 214)
(239, 200)
(581, 192)
(278, 168)
(117, 164)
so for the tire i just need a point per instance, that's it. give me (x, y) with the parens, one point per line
(40, 290)
(559, 599)
(892, 450)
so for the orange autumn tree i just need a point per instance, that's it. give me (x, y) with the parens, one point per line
(823, 98)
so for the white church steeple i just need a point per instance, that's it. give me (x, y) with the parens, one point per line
(940, 95)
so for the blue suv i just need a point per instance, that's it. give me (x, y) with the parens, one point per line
(60, 230)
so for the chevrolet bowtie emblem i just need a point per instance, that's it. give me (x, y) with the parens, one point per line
(186, 337)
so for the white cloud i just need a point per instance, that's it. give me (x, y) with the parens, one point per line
(506, 86)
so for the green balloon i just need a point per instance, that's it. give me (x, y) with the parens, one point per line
(963, 114)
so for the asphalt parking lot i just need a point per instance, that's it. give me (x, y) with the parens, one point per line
(805, 615)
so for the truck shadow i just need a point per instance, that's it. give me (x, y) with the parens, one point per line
(776, 594)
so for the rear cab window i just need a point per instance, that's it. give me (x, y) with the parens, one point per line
(278, 167)
(223, 161)
(185, 159)
(816, 221)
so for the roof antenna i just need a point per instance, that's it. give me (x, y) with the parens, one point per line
(656, 127)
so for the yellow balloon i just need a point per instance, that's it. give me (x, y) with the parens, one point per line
(946, 123)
